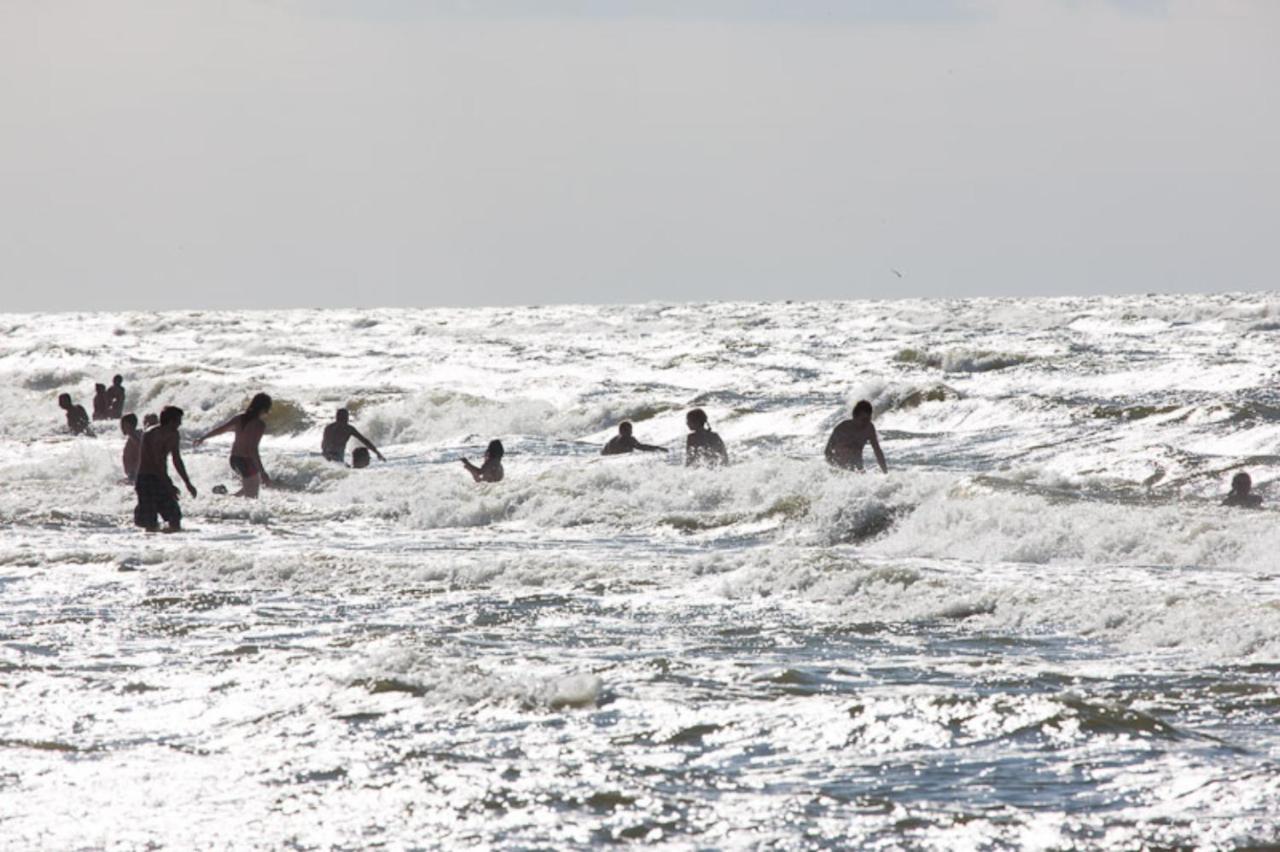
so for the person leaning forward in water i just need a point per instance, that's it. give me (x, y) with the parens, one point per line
(77, 417)
(157, 495)
(625, 442)
(1241, 496)
(844, 447)
(249, 429)
(491, 469)
(702, 448)
(333, 444)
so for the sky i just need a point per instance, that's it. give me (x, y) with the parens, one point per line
(387, 153)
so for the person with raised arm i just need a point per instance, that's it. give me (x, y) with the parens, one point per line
(625, 442)
(844, 447)
(333, 444)
(157, 495)
(491, 469)
(245, 460)
(703, 448)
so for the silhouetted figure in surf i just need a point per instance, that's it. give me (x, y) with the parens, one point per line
(333, 444)
(149, 420)
(115, 398)
(625, 442)
(132, 446)
(360, 457)
(702, 448)
(100, 402)
(245, 460)
(491, 470)
(1241, 493)
(844, 447)
(77, 417)
(157, 495)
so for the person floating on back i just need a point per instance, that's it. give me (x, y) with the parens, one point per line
(132, 446)
(625, 442)
(703, 448)
(1241, 496)
(157, 495)
(100, 402)
(115, 398)
(249, 429)
(333, 444)
(491, 470)
(77, 417)
(844, 447)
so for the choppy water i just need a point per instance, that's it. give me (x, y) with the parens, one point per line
(1040, 629)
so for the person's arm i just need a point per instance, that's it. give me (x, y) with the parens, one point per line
(362, 439)
(217, 430)
(875, 446)
(646, 448)
(181, 468)
(721, 451)
(688, 451)
(471, 469)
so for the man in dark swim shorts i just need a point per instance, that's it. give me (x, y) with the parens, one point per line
(157, 495)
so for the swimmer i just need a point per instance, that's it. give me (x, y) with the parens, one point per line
(491, 470)
(625, 442)
(844, 447)
(132, 446)
(333, 444)
(100, 402)
(115, 398)
(77, 417)
(245, 460)
(360, 458)
(703, 448)
(157, 495)
(149, 420)
(1240, 496)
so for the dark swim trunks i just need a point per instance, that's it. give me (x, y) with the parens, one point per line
(156, 496)
(244, 466)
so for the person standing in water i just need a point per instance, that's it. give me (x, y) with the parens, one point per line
(132, 446)
(77, 417)
(625, 442)
(157, 495)
(115, 398)
(703, 448)
(491, 470)
(844, 447)
(333, 444)
(1241, 496)
(245, 460)
(100, 402)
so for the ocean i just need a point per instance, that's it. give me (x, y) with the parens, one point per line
(1040, 630)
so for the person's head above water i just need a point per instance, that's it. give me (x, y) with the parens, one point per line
(862, 409)
(696, 419)
(149, 420)
(1241, 483)
(64, 400)
(99, 387)
(128, 423)
(342, 416)
(624, 428)
(260, 404)
(117, 380)
(494, 450)
(171, 415)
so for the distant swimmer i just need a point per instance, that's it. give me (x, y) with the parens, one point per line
(149, 420)
(157, 495)
(100, 402)
(703, 448)
(249, 429)
(132, 446)
(334, 441)
(491, 470)
(1241, 496)
(77, 417)
(115, 398)
(844, 447)
(625, 442)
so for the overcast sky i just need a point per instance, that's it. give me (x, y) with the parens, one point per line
(386, 152)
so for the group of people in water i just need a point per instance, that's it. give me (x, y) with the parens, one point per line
(147, 451)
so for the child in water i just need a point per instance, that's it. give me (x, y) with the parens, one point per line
(491, 470)
(1240, 496)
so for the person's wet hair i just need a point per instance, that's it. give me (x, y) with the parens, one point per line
(863, 407)
(150, 420)
(260, 404)
(170, 414)
(129, 421)
(697, 418)
(115, 380)
(624, 428)
(495, 450)
(1241, 483)
(64, 399)
(99, 387)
